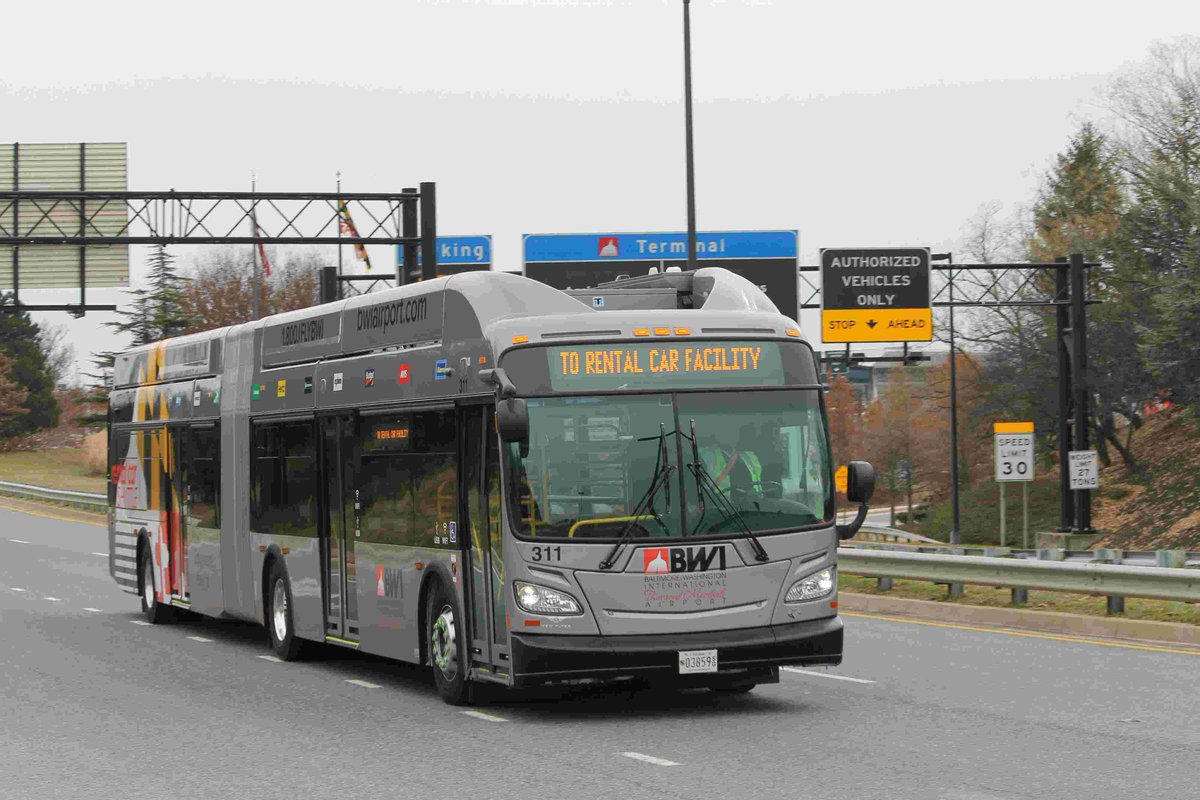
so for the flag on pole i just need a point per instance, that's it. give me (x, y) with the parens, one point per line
(262, 249)
(346, 226)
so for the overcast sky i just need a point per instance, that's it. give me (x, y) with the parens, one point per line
(859, 124)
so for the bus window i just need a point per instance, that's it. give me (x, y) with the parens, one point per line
(283, 477)
(384, 482)
(200, 460)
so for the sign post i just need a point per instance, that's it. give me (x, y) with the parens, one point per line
(876, 295)
(1013, 443)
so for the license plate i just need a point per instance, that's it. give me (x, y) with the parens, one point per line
(691, 661)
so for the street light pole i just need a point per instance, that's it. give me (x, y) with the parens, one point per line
(687, 100)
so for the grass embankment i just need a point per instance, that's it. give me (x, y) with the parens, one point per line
(979, 513)
(60, 468)
(1135, 608)
(1154, 506)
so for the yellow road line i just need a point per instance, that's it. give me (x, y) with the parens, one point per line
(23, 508)
(1027, 634)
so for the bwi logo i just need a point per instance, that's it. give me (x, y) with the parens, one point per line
(660, 560)
(402, 374)
(387, 582)
(608, 246)
(655, 560)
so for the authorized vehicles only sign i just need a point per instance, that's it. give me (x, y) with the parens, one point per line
(876, 295)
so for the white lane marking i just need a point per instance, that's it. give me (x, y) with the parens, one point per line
(659, 762)
(19, 541)
(102, 555)
(364, 684)
(272, 659)
(139, 622)
(830, 675)
(199, 639)
(485, 717)
(93, 610)
(53, 599)
(15, 589)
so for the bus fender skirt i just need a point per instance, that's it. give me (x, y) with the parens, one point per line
(549, 658)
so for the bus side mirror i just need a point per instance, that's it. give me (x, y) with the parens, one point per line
(512, 420)
(860, 482)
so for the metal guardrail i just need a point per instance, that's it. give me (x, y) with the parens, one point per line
(89, 501)
(1131, 558)
(1113, 580)
(882, 533)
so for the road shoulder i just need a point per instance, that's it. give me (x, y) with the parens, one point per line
(1024, 619)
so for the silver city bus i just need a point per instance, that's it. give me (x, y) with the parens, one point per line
(511, 483)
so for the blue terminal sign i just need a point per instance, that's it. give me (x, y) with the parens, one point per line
(580, 260)
(458, 254)
(659, 246)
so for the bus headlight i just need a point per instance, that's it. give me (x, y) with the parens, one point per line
(813, 587)
(540, 600)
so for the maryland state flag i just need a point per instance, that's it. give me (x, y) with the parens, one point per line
(346, 225)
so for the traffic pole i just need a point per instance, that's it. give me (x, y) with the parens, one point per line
(687, 104)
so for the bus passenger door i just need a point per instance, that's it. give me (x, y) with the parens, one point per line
(483, 569)
(337, 548)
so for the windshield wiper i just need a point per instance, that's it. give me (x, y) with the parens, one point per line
(704, 481)
(661, 478)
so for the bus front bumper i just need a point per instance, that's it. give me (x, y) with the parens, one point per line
(550, 658)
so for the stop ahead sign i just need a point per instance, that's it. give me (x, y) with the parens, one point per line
(876, 295)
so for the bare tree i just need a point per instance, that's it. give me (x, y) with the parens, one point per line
(60, 353)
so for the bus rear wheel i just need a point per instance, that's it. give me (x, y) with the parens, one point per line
(446, 654)
(156, 613)
(278, 614)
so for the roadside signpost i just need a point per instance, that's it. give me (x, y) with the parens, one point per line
(1013, 443)
(579, 260)
(876, 295)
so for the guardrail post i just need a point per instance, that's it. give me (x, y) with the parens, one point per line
(1020, 597)
(1116, 603)
(955, 590)
(1170, 558)
(883, 584)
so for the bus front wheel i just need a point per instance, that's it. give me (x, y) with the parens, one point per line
(446, 653)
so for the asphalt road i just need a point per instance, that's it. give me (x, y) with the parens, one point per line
(93, 705)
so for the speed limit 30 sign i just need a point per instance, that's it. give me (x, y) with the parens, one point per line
(1014, 451)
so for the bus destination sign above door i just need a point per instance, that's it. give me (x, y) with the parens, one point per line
(876, 295)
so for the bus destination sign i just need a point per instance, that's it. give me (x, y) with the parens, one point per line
(876, 295)
(665, 364)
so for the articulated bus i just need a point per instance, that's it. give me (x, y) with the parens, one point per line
(509, 483)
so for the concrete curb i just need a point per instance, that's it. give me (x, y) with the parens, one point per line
(1043, 621)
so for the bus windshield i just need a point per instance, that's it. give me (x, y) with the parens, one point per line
(759, 461)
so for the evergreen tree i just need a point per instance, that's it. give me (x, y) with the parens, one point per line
(12, 395)
(29, 371)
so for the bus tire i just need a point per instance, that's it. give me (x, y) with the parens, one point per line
(444, 628)
(278, 617)
(156, 613)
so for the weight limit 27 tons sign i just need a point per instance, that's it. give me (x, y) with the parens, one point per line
(876, 295)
